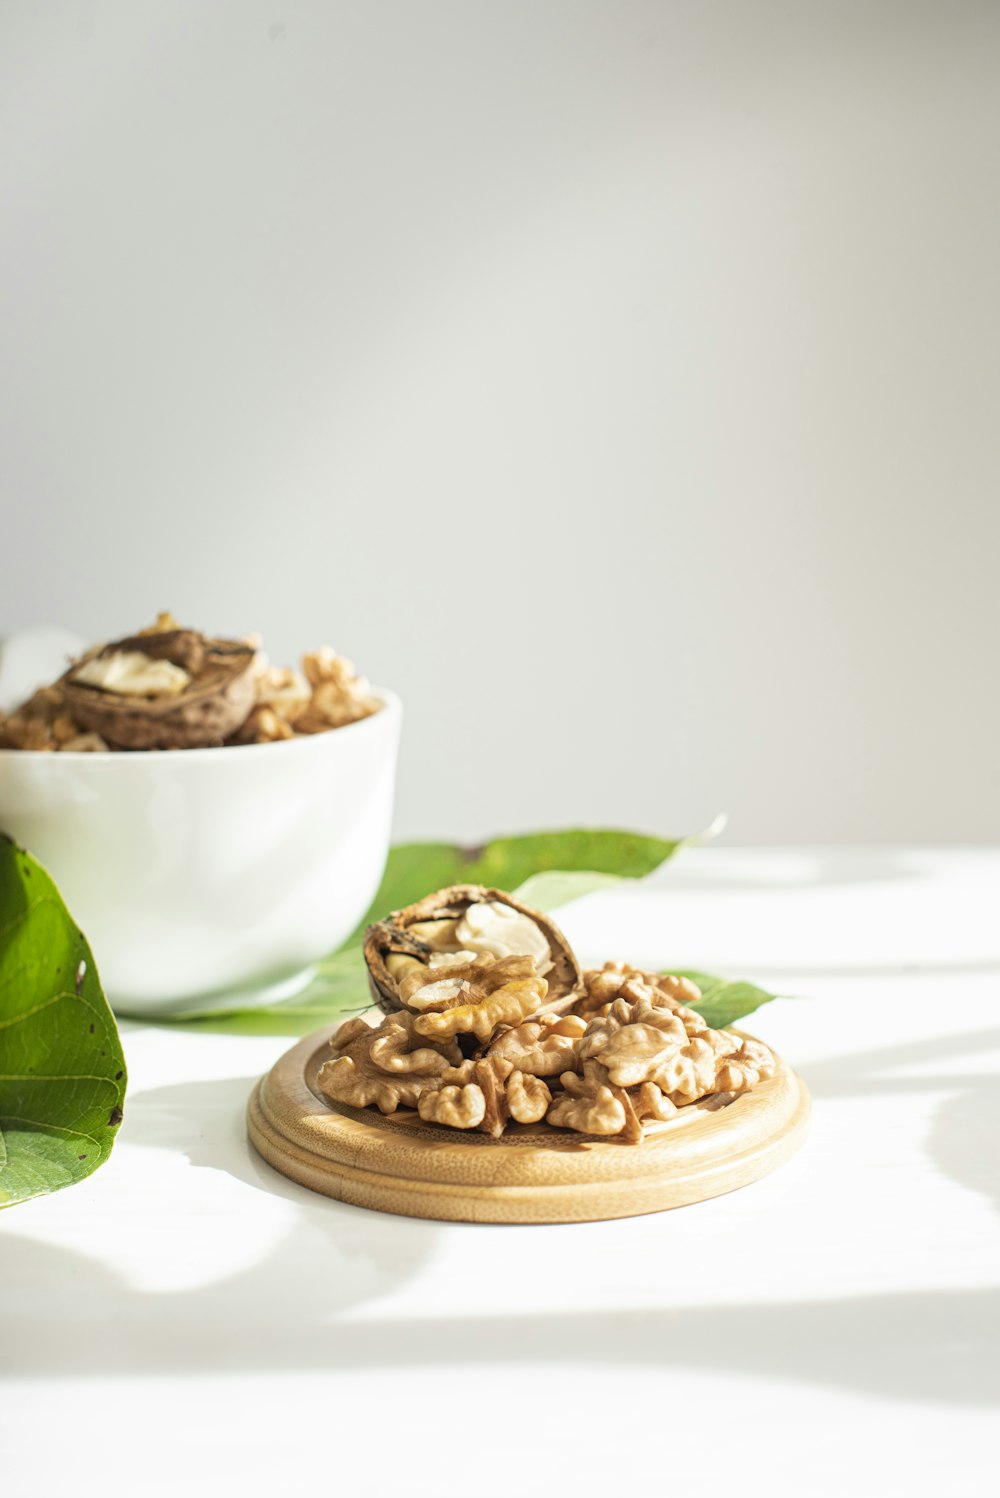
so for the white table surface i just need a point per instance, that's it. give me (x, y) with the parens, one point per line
(186, 1321)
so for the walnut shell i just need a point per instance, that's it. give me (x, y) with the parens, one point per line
(219, 698)
(392, 935)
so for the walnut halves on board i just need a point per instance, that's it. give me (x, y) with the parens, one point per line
(477, 1049)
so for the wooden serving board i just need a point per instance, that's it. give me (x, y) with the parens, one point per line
(533, 1173)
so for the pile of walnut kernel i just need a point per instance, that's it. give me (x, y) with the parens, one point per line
(481, 1051)
(285, 703)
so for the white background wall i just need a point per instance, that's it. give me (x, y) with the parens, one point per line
(616, 380)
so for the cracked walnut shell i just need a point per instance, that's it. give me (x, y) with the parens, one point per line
(217, 692)
(450, 928)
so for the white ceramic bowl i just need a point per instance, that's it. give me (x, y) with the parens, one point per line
(204, 877)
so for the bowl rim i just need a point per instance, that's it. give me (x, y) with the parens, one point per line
(391, 711)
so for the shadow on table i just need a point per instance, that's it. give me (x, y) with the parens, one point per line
(293, 1309)
(928, 1346)
(964, 1141)
(333, 1259)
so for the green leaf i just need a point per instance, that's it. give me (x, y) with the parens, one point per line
(415, 869)
(612, 865)
(583, 858)
(558, 887)
(725, 1000)
(62, 1072)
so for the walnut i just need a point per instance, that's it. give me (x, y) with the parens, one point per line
(617, 980)
(528, 1098)
(483, 1094)
(457, 1107)
(537, 1049)
(630, 1040)
(216, 695)
(20, 732)
(324, 666)
(281, 688)
(349, 1031)
(264, 726)
(64, 729)
(670, 1019)
(673, 1049)
(168, 687)
(482, 1016)
(282, 695)
(490, 1077)
(592, 1105)
(165, 625)
(392, 1049)
(688, 1072)
(338, 695)
(35, 723)
(641, 1056)
(498, 993)
(443, 933)
(649, 1102)
(602, 986)
(354, 1076)
(356, 1080)
(473, 1090)
(743, 1069)
(84, 743)
(422, 989)
(682, 991)
(563, 1024)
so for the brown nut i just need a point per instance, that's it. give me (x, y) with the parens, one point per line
(360, 1078)
(455, 1106)
(217, 698)
(591, 1104)
(492, 999)
(616, 981)
(538, 1050)
(439, 932)
(528, 1097)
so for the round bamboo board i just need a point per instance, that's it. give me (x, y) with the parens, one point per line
(532, 1174)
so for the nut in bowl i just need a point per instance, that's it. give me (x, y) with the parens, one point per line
(216, 824)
